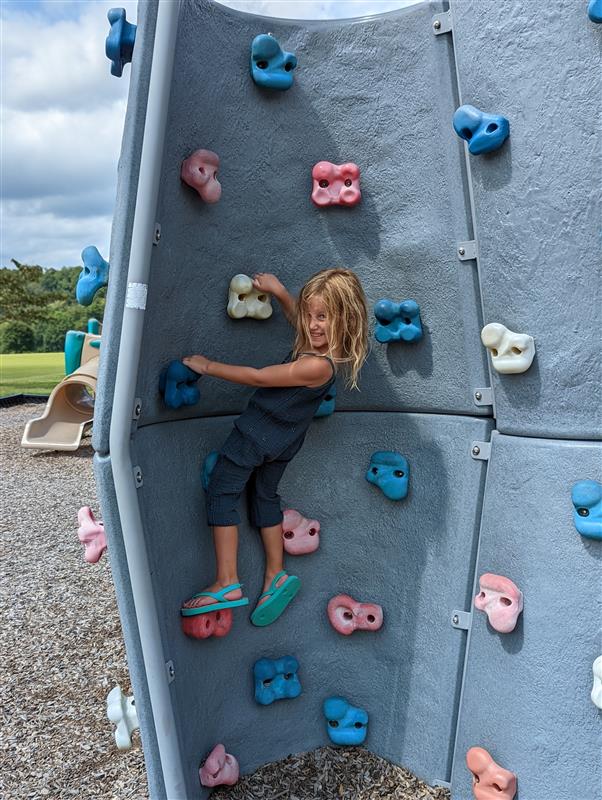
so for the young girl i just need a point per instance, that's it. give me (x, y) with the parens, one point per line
(331, 325)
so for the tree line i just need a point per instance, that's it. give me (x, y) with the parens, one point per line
(38, 307)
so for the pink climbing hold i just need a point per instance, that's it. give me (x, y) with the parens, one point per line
(212, 623)
(91, 533)
(501, 600)
(200, 171)
(220, 768)
(300, 535)
(489, 780)
(336, 185)
(347, 615)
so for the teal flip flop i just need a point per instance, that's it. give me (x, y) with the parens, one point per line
(219, 604)
(279, 598)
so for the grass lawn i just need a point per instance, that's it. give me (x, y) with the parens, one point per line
(30, 373)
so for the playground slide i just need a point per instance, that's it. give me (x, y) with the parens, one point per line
(69, 409)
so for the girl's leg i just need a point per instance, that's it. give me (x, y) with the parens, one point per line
(225, 540)
(274, 555)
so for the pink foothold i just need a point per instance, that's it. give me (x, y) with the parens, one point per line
(336, 185)
(300, 535)
(501, 600)
(200, 171)
(91, 534)
(220, 768)
(489, 780)
(212, 623)
(347, 615)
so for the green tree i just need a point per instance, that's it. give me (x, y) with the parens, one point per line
(16, 337)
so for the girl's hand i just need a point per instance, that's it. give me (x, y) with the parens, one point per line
(266, 282)
(197, 363)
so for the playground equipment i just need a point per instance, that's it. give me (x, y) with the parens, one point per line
(220, 768)
(271, 66)
(347, 615)
(501, 600)
(389, 471)
(91, 533)
(178, 385)
(397, 321)
(93, 276)
(246, 301)
(276, 679)
(327, 406)
(121, 711)
(119, 45)
(484, 132)
(200, 171)
(511, 352)
(489, 780)
(70, 407)
(596, 694)
(300, 535)
(346, 724)
(587, 508)
(336, 185)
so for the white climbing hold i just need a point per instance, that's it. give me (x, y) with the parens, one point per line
(511, 352)
(246, 301)
(597, 687)
(121, 711)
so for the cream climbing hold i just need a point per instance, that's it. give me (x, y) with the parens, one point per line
(511, 352)
(244, 300)
(597, 687)
(121, 711)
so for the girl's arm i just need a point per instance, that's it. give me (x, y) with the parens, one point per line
(311, 372)
(266, 282)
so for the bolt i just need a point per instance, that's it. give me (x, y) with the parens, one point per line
(157, 235)
(137, 409)
(478, 395)
(171, 671)
(437, 24)
(455, 619)
(476, 450)
(461, 251)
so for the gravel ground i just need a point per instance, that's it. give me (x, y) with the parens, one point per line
(63, 652)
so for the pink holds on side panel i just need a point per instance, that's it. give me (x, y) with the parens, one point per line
(489, 780)
(91, 533)
(501, 600)
(212, 623)
(300, 535)
(336, 185)
(200, 171)
(347, 615)
(220, 768)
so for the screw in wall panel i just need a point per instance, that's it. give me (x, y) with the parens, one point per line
(138, 477)
(157, 233)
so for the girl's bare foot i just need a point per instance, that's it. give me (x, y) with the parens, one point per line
(198, 602)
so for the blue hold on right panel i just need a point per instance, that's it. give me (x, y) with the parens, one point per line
(271, 66)
(587, 508)
(484, 132)
(594, 10)
(397, 322)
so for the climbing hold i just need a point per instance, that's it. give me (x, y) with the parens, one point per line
(587, 512)
(93, 327)
(489, 780)
(326, 407)
(336, 184)
(299, 535)
(244, 300)
(91, 534)
(347, 615)
(597, 687)
(484, 132)
(219, 769)
(208, 467)
(74, 342)
(212, 623)
(594, 10)
(501, 600)
(121, 711)
(271, 66)
(511, 352)
(119, 45)
(93, 276)
(346, 724)
(276, 679)
(199, 170)
(389, 471)
(177, 384)
(397, 321)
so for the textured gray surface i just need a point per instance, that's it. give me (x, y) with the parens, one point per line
(526, 696)
(412, 557)
(538, 204)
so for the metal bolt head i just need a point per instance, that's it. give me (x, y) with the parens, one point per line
(461, 251)
(171, 671)
(476, 450)
(455, 619)
(478, 395)
(437, 24)
(137, 409)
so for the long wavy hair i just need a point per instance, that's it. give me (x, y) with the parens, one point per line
(341, 292)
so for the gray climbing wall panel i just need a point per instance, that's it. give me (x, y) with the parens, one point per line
(526, 693)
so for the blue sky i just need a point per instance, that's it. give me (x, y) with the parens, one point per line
(62, 119)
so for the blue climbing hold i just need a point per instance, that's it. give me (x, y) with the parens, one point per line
(177, 384)
(346, 724)
(276, 679)
(389, 471)
(587, 512)
(271, 66)
(74, 343)
(594, 10)
(93, 326)
(93, 276)
(119, 45)
(326, 407)
(484, 132)
(208, 467)
(397, 321)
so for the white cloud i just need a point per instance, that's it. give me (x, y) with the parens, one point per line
(317, 9)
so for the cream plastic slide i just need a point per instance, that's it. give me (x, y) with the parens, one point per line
(69, 409)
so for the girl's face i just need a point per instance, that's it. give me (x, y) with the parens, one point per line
(316, 319)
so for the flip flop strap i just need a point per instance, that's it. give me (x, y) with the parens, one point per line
(273, 586)
(222, 592)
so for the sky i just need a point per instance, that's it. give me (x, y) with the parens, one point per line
(62, 114)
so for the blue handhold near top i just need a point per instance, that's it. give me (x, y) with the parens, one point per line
(177, 384)
(119, 45)
(93, 276)
(326, 407)
(594, 10)
(484, 132)
(271, 66)
(208, 467)
(93, 326)
(276, 679)
(346, 724)
(389, 471)
(74, 344)
(587, 513)
(397, 321)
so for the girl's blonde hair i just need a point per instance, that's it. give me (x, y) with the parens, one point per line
(341, 292)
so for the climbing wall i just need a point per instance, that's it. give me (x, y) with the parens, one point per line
(380, 92)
